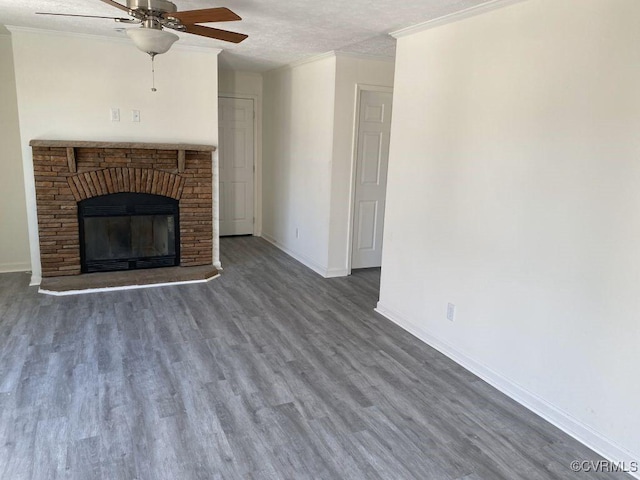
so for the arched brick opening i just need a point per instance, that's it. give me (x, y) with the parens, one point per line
(125, 180)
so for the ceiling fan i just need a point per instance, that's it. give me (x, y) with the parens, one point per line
(154, 16)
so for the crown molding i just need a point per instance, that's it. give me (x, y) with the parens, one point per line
(311, 59)
(366, 56)
(302, 61)
(247, 73)
(454, 17)
(330, 54)
(88, 36)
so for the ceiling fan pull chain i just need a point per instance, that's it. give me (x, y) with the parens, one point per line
(153, 73)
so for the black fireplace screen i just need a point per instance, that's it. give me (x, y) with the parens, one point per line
(126, 231)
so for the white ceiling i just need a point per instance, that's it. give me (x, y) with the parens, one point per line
(280, 31)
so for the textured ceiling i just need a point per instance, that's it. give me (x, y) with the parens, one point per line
(280, 31)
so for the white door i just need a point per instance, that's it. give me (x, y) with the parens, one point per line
(372, 159)
(235, 160)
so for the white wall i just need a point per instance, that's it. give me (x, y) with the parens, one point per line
(514, 193)
(297, 153)
(350, 72)
(14, 240)
(308, 156)
(66, 85)
(238, 84)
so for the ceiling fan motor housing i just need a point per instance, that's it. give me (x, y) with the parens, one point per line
(157, 7)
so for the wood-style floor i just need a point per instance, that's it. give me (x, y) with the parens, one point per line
(269, 372)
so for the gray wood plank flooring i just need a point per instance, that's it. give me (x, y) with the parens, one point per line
(269, 372)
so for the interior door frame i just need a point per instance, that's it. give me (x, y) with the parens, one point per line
(360, 87)
(257, 156)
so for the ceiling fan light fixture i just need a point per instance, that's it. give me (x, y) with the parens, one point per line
(151, 40)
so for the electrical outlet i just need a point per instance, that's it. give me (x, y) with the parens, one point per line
(451, 311)
(135, 115)
(115, 114)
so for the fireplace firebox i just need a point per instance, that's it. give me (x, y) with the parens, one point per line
(126, 231)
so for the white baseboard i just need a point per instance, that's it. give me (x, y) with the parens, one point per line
(15, 267)
(337, 272)
(565, 422)
(319, 269)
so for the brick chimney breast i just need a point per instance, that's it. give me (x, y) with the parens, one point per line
(67, 172)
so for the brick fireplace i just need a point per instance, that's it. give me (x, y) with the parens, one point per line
(68, 172)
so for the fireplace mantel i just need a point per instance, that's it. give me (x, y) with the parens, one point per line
(68, 171)
(136, 145)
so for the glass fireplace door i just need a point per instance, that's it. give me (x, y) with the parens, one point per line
(128, 231)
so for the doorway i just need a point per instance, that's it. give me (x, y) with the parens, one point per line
(371, 165)
(236, 165)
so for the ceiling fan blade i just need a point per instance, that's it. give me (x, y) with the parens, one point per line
(215, 33)
(118, 19)
(117, 5)
(206, 15)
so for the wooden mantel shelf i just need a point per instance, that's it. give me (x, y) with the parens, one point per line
(133, 145)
